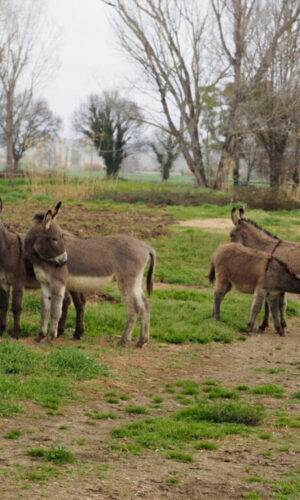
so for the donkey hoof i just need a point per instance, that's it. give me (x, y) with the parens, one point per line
(141, 343)
(121, 343)
(37, 339)
(76, 336)
(282, 333)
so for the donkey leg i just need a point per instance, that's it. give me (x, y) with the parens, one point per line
(259, 297)
(265, 322)
(282, 309)
(145, 323)
(45, 312)
(274, 301)
(57, 297)
(132, 310)
(64, 314)
(4, 303)
(219, 295)
(79, 301)
(17, 298)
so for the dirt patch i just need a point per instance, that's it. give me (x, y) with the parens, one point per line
(211, 224)
(85, 220)
(214, 475)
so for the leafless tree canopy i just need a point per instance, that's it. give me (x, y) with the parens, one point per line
(166, 39)
(25, 57)
(236, 47)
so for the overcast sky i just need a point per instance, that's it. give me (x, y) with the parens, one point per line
(90, 59)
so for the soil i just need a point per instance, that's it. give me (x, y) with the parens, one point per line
(211, 224)
(215, 475)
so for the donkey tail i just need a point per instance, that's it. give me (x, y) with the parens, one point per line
(151, 271)
(212, 274)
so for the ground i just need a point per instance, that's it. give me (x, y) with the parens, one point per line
(100, 473)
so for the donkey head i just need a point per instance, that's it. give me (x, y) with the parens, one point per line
(46, 238)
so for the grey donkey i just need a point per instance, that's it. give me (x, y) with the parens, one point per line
(248, 233)
(251, 271)
(62, 261)
(16, 273)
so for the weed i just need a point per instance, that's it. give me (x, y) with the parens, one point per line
(180, 456)
(139, 410)
(234, 412)
(206, 445)
(15, 434)
(56, 454)
(252, 495)
(269, 389)
(173, 480)
(264, 436)
(102, 416)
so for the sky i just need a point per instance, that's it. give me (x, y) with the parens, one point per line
(90, 59)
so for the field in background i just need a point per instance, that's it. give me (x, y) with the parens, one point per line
(202, 408)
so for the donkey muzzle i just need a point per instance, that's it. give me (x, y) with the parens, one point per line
(60, 260)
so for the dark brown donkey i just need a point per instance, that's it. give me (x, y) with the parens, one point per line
(251, 271)
(16, 273)
(248, 233)
(63, 261)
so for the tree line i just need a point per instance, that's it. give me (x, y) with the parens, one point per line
(227, 75)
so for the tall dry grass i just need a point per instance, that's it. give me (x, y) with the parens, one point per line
(62, 186)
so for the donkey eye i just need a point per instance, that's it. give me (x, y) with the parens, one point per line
(55, 240)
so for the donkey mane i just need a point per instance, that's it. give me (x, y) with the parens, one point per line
(38, 217)
(268, 233)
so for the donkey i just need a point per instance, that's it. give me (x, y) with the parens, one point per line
(63, 261)
(251, 271)
(251, 235)
(17, 273)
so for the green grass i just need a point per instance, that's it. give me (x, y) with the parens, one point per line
(55, 454)
(287, 487)
(14, 434)
(269, 389)
(206, 445)
(233, 412)
(42, 473)
(41, 377)
(180, 456)
(138, 410)
(96, 415)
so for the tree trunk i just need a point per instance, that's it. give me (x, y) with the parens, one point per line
(276, 169)
(10, 132)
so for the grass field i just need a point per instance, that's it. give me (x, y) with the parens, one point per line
(202, 408)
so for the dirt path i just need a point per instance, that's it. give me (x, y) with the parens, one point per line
(211, 224)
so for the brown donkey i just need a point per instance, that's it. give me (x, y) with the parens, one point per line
(16, 273)
(63, 261)
(251, 271)
(248, 233)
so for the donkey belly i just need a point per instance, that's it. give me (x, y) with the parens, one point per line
(88, 283)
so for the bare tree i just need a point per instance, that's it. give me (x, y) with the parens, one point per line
(255, 30)
(111, 122)
(37, 123)
(166, 39)
(23, 61)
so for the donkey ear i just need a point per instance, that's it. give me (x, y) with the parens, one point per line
(234, 217)
(48, 219)
(242, 213)
(56, 209)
